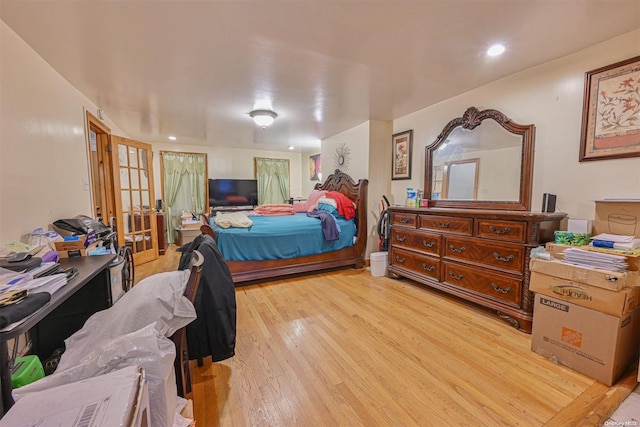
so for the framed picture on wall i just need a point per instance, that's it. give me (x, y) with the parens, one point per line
(402, 149)
(611, 112)
(315, 168)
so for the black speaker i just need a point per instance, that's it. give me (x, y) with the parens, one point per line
(158, 205)
(548, 202)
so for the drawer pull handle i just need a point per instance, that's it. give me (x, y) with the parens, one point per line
(453, 276)
(454, 249)
(503, 259)
(400, 260)
(428, 268)
(499, 289)
(401, 238)
(428, 244)
(500, 232)
(404, 220)
(443, 224)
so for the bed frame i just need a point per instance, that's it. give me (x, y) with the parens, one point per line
(250, 271)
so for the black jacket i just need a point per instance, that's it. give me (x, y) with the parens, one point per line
(214, 331)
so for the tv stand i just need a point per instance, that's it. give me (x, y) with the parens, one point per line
(215, 210)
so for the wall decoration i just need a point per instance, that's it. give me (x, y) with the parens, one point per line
(611, 112)
(315, 168)
(342, 157)
(401, 159)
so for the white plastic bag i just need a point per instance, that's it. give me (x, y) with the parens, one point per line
(145, 348)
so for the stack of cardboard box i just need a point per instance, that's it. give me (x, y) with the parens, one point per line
(190, 228)
(585, 318)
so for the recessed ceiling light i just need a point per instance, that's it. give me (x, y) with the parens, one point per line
(291, 147)
(173, 138)
(496, 50)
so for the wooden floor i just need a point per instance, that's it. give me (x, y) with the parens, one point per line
(347, 349)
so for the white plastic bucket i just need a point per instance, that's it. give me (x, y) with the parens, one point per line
(378, 264)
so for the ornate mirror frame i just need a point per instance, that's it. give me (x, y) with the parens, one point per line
(471, 119)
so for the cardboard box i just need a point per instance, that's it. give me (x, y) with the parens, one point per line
(557, 250)
(72, 245)
(186, 235)
(590, 276)
(79, 252)
(616, 303)
(73, 254)
(119, 398)
(574, 239)
(191, 223)
(597, 344)
(617, 216)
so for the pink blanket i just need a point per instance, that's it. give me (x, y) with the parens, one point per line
(275, 209)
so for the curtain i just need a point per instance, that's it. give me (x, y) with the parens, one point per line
(187, 194)
(273, 180)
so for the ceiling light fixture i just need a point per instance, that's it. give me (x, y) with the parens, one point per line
(173, 138)
(263, 118)
(496, 50)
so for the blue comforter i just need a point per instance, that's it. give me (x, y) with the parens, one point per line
(278, 237)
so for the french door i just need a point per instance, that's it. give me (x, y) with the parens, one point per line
(134, 198)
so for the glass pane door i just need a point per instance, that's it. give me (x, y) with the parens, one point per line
(137, 218)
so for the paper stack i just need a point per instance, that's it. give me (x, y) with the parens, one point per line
(598, 260)
(615, 241)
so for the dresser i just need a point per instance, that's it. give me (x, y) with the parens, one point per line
(481, 256)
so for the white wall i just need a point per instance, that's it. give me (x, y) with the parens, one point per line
(356, 140)
(44, 172)
(232, 163)
(549, 96)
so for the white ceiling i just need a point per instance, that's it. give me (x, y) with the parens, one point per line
(195, 69)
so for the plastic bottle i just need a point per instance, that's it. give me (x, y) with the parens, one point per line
(411, 197)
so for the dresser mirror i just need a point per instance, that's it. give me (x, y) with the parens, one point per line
(481, 160)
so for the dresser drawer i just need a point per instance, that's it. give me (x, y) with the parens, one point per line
(514, 231)
(406, 220)
(416, 240)
(504, 256)
(446, 224)
(420, 264)
(484, 282)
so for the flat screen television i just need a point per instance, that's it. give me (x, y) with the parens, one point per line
(233, 192)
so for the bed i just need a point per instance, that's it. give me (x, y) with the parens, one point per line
(346, 252)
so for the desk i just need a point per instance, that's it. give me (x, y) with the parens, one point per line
(65, 314)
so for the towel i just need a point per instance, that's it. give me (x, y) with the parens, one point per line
(233, 219)
(275, 209)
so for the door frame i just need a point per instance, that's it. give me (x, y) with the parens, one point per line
(100, 169)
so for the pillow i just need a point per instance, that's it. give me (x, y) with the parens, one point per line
(158, 298)
(312, 199)
(300, 207)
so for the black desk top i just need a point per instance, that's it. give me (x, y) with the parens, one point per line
(88, 267)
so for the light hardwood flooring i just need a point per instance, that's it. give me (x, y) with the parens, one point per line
(343, 348)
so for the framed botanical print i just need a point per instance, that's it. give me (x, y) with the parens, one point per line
(611, 112)
(402, 146)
